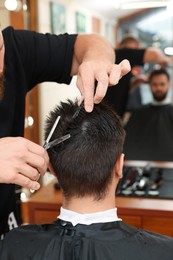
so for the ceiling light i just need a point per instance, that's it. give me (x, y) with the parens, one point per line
(13, 5)
(140, 5)
(168, 50)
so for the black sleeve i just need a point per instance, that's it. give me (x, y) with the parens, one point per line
(135, 56)
(44, 57)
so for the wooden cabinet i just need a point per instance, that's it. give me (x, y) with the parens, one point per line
(43, 206)
(132, 220)
(154, 215)
(151, 214)
(162, 225)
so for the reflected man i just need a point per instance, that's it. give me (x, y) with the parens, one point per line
(149, 129)
(130, 49)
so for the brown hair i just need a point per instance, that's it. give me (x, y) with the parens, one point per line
(129, 39)
(84, 163)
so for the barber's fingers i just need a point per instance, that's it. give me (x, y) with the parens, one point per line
(81, 89)
(117, 71)
(93, 86)
(20, 148)
(22, 161)
(86, 88)
(34, 155)
(125, 67)
(108, 78)
(101, 86)
(104, 75)
(37, 161)
(28, 171)
(26, 182)
(38, 150)
(114, 73)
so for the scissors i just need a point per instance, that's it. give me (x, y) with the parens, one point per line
(47, 145)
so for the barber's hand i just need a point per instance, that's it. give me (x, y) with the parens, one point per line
(105, 75)
(21, 161)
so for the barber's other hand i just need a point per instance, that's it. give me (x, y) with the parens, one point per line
(105, 75)
(21, 162)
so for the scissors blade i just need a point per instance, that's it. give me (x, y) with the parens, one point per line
(51, 131)
(56, 141)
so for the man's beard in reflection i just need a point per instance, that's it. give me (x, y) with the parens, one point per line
(1, 85)
(159, 97)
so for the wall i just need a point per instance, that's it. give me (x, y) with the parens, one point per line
(51, 93)
(4, 15)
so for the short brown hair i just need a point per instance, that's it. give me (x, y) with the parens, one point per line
(84, 163)
(128, 39)
(157, 72)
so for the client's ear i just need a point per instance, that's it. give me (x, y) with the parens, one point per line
(119, 166)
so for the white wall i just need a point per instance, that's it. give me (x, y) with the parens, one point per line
(4, 15)
(51, 93)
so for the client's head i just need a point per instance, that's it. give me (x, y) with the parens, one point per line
(130, 41)
(85, 163)
(159, 84)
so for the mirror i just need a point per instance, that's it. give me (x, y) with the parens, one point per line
(152, 28)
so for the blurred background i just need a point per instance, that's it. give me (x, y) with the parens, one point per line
(150, 21)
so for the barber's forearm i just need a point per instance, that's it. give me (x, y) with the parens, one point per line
(91, 47)
(155, 55)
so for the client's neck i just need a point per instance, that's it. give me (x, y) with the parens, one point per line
(89, 204)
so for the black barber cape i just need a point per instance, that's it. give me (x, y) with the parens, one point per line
(149, 134)
(102, 241)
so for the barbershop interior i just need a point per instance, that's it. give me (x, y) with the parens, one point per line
(144, 194)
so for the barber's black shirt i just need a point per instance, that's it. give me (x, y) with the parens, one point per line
(117, 96)
(30, 58)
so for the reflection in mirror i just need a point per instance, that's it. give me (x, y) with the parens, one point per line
(149, 129)
(137, 26)
(153, 29)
